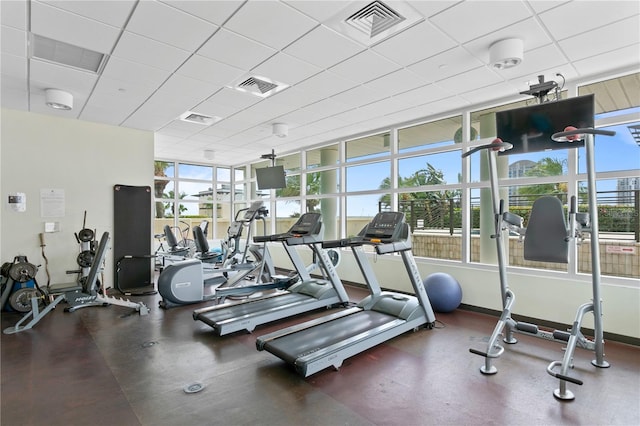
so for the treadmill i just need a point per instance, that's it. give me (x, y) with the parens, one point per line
(306, 295)
(327, 341)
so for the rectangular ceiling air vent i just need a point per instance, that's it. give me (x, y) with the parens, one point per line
(374, 18)
(374, 22)
(197, 118)
(259, 86)
(66, 54)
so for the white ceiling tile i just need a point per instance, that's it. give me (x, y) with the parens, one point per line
(235, 50)
(602, 40)
(470, 80)
(14, 14)
(529, 31)
(320, 10)
(208, 70)
(587, 15)
(166, 24)
(540, 6)
(286, 69)
(13, 92)
(272, 23)
(14, 66)
(396, 82)
(615, 59)
(101, 113)
(134, 75)
(471, 19)
(181, 129)
(447, 64)
(70, 28)
(323, 47)
(233, 98)
(401, 48)
(112, 91)
(110, 12)
(489, 93)
(179, 88)
(46, 75)
(364, 67)
(323, 85)
(213, 11)
(423, 95)
(432, 7)
(149, 52)
(13, 41)
(548, 55)
(293, 98)
(212, 108)
(357, 96)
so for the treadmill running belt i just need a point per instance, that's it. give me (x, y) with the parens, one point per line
(242, 309)
(291, 347)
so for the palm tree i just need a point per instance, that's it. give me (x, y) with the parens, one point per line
(545, 167)
(159, 185)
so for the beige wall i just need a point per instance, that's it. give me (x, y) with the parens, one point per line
(85, 160)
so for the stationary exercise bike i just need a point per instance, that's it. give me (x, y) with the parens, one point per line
(546, 239)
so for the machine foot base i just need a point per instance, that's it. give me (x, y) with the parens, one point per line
(488, 371)
(603, 364)
(566, 396)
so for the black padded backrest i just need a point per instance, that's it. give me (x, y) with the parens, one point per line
(545, 238)
(171, 239)
(90, 285)
(204, 225)
(202, 245)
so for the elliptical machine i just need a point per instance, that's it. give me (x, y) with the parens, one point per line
(184, 282)
(546, 238)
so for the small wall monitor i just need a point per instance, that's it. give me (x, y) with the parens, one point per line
(271, 178)
(529, 129)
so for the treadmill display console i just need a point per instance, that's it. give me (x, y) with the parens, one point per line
(309, 223)
(385, 225)
(251, 211)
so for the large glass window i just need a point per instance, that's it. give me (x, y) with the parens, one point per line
(368, 147)
(325, 156)
(433, 169)
(418, 169)
(368, 176)
(429, 135)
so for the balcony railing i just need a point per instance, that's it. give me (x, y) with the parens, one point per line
(618, 212)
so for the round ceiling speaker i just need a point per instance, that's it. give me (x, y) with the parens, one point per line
(58, 99)
(507, 53)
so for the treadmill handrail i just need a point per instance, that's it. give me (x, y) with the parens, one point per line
(382, 245)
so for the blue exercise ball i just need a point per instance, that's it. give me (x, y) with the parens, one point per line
(444, 292)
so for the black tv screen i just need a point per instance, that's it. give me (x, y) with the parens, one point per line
(271, 177)
(529, 129)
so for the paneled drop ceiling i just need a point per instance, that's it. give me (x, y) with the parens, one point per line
(164, 59)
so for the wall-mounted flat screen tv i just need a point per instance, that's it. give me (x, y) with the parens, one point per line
(529, 129)
(271, 177)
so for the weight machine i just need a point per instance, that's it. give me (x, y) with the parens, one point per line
(83, 293)
(547, 238)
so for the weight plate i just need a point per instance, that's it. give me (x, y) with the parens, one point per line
(23, 271)
(4, 270)
(85, 258)
(85, 235)
(20, 300)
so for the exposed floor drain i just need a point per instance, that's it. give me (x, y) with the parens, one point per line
(193, 388)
